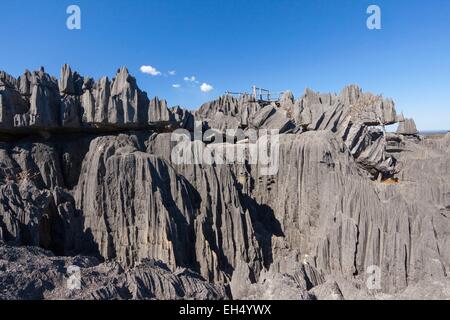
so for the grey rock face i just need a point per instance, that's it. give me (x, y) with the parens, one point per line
(11, 100)
(38, 101)
(66, 83)
(270, 118)
(184, 117)
(363, 224)
(148, 211)
(158, 111)
(24, 214)
(230, 113)
(271, 286)
(407, 127)
(287, 100)
(35, 209)
(346, 197)
(288, 278)
(224, 230)
(351, 116)
(226, 112)
(327, 291)
(326, 228)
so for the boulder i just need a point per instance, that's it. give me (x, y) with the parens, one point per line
(407, 127)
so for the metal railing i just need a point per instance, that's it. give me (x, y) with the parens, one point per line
(259, 94)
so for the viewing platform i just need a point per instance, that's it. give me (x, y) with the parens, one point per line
(259, 94)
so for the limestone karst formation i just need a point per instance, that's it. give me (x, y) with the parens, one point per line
(87, 179)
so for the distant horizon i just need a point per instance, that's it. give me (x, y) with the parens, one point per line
(434, 131)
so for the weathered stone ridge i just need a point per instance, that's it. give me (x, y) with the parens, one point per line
(37, 101)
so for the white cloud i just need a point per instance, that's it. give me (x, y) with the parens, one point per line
(172, 72)
(150, 70)
(206, 87)
(176, 85)
(190, 79)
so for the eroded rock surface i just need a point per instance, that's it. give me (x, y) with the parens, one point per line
(29, 273)
(87, 172)
(407, 127)
(36, 101)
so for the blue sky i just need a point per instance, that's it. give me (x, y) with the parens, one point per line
(230, 45)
